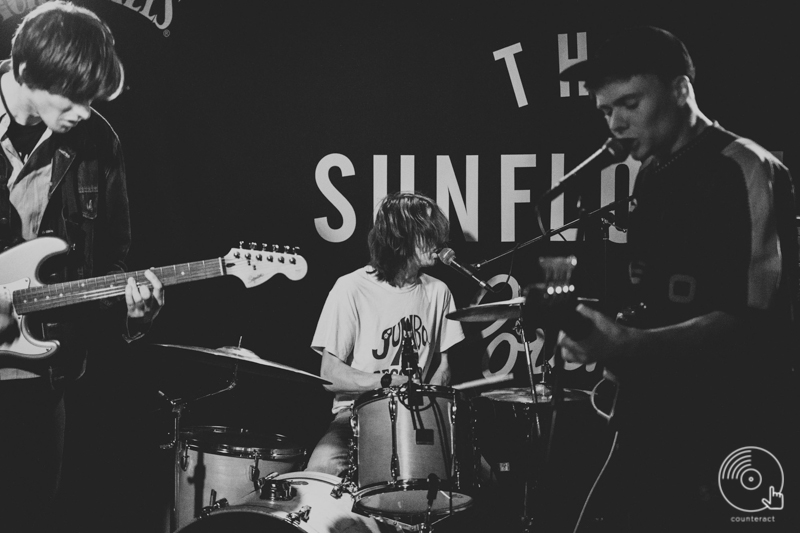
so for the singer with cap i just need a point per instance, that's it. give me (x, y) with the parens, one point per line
(360, 330)
(705, 366)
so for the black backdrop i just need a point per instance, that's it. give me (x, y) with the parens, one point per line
(230, 108)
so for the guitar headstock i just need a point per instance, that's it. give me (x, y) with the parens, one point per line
(548, 300)
(557, 285)
(255, 265)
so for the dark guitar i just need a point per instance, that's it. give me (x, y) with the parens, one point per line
(552, 303)
(19, 270)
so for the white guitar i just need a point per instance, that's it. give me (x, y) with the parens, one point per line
(19, 270)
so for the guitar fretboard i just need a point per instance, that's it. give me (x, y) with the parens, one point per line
(86, 290)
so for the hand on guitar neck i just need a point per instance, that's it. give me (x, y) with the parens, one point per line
(586, 335)
(22, 293)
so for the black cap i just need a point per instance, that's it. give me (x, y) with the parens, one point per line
(639, 50)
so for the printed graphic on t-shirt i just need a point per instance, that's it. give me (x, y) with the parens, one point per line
(391, 339)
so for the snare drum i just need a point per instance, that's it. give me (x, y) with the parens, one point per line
(227, 461)
(292, 502)
(400, 439)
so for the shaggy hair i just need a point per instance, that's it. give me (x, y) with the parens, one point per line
(404, 220)
(67, 50)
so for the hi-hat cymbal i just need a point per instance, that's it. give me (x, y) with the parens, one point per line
(489, 312)
(249, 362)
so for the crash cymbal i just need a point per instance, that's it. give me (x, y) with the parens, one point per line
(251, 363)
(523, 395)
(489, 312)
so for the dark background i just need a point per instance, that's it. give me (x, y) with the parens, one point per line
(227, 114)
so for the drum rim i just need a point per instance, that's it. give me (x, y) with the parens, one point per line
(508, 392)
(278, 514)
(410, 484)
(406, 486)
(194, 442)
(377, 394)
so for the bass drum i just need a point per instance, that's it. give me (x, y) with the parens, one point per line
(302, 502)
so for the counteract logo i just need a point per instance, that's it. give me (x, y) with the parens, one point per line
(751, 480)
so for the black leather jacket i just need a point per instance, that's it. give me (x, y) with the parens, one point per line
(89, 209)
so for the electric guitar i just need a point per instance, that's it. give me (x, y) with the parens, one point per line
(551, 304)
(19, 270)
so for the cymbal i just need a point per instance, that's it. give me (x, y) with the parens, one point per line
(249, 362)
(489, 312)
(523, 395)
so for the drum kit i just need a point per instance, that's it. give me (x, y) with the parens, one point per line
(415, 455)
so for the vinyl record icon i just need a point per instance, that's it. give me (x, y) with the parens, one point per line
(746, 476)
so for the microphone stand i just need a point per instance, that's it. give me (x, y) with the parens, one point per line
(546, 236)
(529, 483)
(549, 374)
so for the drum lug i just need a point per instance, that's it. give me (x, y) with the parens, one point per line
(395, 461)
(346, 486)
(352, 469)
(254, 472)
(184, 459)
(214, 505)
(296, 517)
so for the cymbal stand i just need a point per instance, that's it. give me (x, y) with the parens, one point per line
(178, 405)
(529, 478)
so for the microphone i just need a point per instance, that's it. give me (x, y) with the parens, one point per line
(448, 257)
(613, 151)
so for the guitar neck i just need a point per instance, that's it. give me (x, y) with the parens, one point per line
(57, 295)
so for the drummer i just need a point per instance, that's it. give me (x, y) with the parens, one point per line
(360, 330)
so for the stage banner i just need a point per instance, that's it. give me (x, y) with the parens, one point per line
(261, 124)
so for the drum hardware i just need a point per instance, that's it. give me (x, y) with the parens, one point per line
(214, 504)
(310, 508)
(259, 484)
(340, 488)
(395, 466)
(301, 515)
(254, 473)
(276, 490)
(178, 405)
(221, 461)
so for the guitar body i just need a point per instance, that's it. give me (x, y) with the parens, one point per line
(19, 269)
(19, 281)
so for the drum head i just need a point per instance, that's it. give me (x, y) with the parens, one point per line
(401, 504)
(240, 519)
(240, 442)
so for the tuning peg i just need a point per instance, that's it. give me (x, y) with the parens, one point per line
(264, 247)
(253, 245)
(275, 248)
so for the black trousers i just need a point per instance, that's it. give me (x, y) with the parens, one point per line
(32, 422)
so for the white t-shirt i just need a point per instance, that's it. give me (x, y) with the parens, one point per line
(361, 324)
